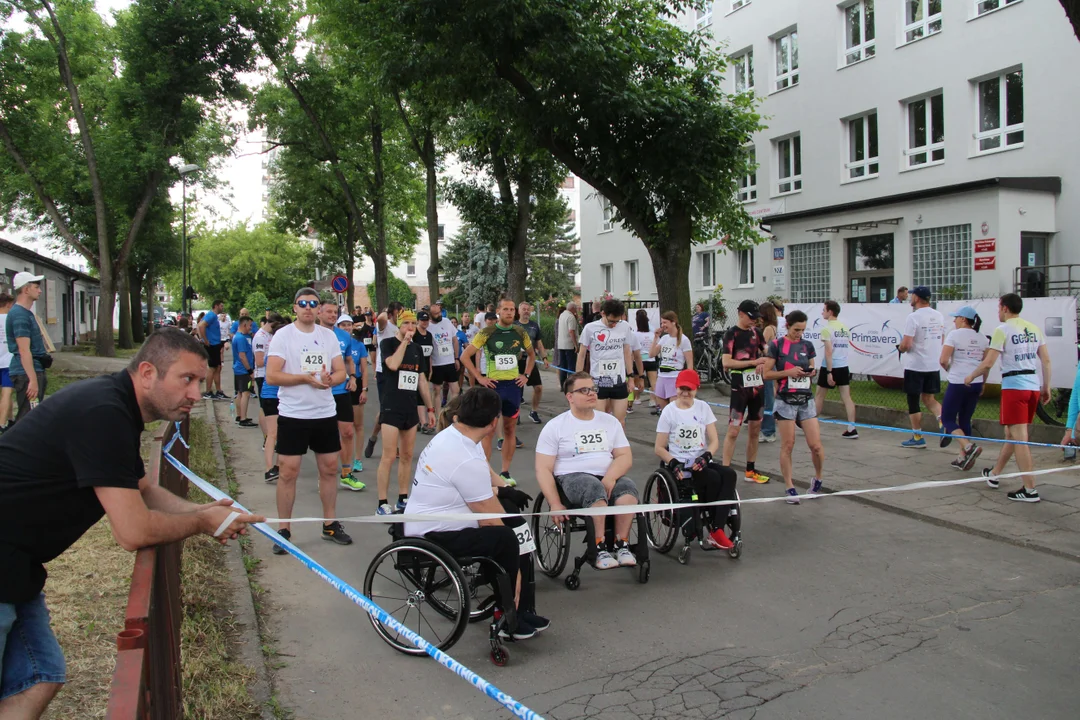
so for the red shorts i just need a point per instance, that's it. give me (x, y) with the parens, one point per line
(1018, 406)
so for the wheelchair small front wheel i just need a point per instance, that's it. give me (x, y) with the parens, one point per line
(684, 555)
(500, 657)
(643, 572)
(573, 582)
(736, 549)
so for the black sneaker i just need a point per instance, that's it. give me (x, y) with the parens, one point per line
(540, 623)
(221, 396)
(535, 417)
(524, 631)
(946, 440)
(208, 396)
(336, 533)
(850, 434)
(369, 449)
(272, 474)
(1025, 495)
(518, 444)
(990, 479)
(248, 423)
(279, 550)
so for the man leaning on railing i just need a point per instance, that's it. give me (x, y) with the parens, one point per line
(70, 461)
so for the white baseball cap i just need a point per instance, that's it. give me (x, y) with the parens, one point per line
(25, 278)
(345, 317)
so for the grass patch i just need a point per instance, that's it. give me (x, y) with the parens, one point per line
(869, 393)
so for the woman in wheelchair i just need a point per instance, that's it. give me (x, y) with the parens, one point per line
(686, 438)
(453, 477)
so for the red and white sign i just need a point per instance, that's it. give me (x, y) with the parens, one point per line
(987, 262)
(985, 246)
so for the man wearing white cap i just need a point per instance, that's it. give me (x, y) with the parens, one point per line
(24, 341)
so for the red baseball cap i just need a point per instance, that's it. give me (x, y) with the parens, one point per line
(688, 378)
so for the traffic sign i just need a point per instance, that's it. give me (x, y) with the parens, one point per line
(340, 283)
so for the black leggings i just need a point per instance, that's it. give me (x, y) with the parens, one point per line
(497, 542)
(715, 482)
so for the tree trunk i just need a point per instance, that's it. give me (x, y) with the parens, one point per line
(515, 266)
(670, 258)
(104, 345)
(432, 215)
(350, 263)
(138, 326)
(378, 258)
(1072, 9)
(151, 295)
(124, 337)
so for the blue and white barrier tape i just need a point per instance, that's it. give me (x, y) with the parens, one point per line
(515, 707)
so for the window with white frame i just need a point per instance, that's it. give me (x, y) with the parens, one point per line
(921, 18)
(789, 165)
(743, 66)
(809, 265)
(736, 4)
(746, 267)
(862, 159)
(859, 42)
(632, 275)
(1001, 112)
(609, 215)
(410, 267)
(704, 15)
(748, 182)
(707, 266)
(984, 6)
(606, 277)
(926, 131)
(942, 258)
(787, 59)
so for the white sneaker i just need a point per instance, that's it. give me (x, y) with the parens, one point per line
(624, 556)
(604, 561)
(766, 438)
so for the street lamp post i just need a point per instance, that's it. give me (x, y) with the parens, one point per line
(185, 305)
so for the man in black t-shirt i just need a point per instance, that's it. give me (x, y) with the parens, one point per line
(533, 329)
(72, 460)
(425, 341)
(744, 358)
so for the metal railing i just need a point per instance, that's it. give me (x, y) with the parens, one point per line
(146, 683)
(1047, 280)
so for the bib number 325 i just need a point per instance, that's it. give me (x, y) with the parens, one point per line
(589, 441)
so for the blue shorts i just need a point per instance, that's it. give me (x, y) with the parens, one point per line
(510, 394)
(29, 653)
(5, 378)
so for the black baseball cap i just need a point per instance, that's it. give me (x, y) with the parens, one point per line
(491, 316)
(921, 291)
(422, 315)
(751, 309)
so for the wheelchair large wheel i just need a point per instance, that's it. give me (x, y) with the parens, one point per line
(422, 587)
(662, 526)
(552, 540)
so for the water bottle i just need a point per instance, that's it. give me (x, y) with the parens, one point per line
(1070, 451)
(232, 409)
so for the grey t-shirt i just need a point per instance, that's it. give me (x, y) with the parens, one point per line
(567, 323)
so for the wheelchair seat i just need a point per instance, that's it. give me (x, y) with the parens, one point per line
(663, 526)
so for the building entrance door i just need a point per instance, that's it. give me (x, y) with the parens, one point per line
(870, 268)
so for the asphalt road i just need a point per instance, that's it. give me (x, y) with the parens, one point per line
(835, 610)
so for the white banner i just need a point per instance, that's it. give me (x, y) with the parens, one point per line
(877, 328)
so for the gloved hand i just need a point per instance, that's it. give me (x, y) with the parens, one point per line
(517, 497)
(704, 459)
(674, 467)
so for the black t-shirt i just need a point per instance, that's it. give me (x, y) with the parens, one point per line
(365, 334)
(86, 436)
(742, 344)
(426, 344)
(533, 330)
(395, 395)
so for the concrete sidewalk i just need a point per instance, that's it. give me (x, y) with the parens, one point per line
(876, 459)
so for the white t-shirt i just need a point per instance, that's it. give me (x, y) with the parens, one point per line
(644, 344)
(387, 332)
(225, 323)
(5, 356)
(305, 353)
(927, 327)
(582, 446)
(686, 430)
(1019, 341)
(672, 359)
(605, 346)
(451, 472)
(968, 350)
(567, 322)
(261, 343)
(443, 333)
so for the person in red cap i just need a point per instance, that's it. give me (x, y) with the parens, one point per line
(686, 439)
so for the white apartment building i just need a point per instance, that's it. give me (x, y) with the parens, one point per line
(913, 142)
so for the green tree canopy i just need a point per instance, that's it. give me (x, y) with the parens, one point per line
(398, 291)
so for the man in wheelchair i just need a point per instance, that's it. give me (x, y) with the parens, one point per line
(686, 438)
(585, 453)
(453, 477)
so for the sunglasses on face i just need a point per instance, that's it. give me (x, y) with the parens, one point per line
(585, 391)
(307, 304)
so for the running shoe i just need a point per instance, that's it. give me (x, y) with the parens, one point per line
(767, 438)
(851, 434)
(511, 482)
(655, 411)
(499, 444)
(523, 631)
(221, 396)
(604, 560)
(369, 449)
(971, 455)
(958, 463)
(336, 533)
(535, 417)
(537, 621)
(384, 509)
(718, 540)
(518, 443)
(278, 549)
(272, 474)
(208, 396)
(350, 483)
(755, 476)
(357, 466)
(248, 423)
(946, 440)
(1025, 495)
(629, 409)
(815, 486)
(623, 556)
(990, 479)
(792, 496)
(914, 443)
(401, 505)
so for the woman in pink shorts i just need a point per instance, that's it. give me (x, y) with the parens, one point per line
(673, 353)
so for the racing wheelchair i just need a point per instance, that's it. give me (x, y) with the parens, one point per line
(663, 527)
(553, 541)
(436, 595)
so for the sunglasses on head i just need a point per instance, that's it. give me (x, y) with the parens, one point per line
(307, 304)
